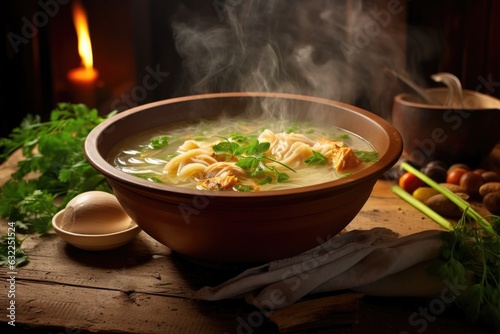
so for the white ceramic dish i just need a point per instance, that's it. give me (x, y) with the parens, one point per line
(95, 242)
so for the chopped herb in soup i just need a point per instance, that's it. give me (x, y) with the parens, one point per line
(243, 155)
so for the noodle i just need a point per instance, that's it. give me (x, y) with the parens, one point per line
(242, 155)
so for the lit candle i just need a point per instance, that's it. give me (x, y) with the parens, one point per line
(84, 78)
(83, 85)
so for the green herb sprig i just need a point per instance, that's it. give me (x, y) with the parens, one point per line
(53, 150)
(159, 142)
(367, 156)
(6, 242)
(469, 255)
(316, 159)
(250, 157)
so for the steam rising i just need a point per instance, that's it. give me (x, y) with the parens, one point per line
(327, 48)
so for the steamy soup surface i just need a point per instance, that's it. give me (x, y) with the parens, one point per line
(241, 154)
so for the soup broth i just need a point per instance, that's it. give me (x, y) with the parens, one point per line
(238, 154)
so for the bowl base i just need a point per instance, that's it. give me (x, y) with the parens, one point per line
(218, 265)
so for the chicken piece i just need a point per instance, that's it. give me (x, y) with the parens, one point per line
(220, 169)
(344, 158)
(327, 147)
(219, 183)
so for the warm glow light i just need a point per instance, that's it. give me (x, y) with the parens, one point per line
(82, 31)
(83, 79)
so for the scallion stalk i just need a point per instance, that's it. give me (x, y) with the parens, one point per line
(422, 207)
(461, 203)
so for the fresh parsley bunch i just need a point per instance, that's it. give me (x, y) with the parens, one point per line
(53, 151)
(470, 257)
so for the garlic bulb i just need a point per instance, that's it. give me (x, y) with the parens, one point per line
(94, 212)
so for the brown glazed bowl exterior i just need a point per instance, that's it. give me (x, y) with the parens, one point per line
(237, 226)
(433, 132)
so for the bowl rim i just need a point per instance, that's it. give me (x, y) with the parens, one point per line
(385, 162)
(401, 99)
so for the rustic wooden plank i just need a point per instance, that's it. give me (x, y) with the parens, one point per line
(385, 209)
(143, 265)
(337, 310)
(143, 287)
(43, 304)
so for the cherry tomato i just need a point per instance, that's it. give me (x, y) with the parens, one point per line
(410, 182)
(454, 175)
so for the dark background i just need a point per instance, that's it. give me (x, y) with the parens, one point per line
(130, 36)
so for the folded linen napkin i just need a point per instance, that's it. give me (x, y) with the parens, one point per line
(361, 260)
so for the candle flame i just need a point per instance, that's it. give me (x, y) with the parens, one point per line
(82, 32)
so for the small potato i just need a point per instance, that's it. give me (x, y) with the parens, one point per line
(471, 182)
(444, 206)
(453, 187)
(492, 202)
(490, 176)
(489, 187)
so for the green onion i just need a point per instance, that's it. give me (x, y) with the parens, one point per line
(461, 203)
(422, 207)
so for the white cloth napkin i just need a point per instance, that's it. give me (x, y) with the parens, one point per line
(371, 261)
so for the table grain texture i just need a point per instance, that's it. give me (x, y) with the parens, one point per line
(143, 287)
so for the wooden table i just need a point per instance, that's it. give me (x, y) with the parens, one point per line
(143, 287)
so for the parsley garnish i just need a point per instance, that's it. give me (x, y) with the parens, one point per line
(243, 188)
(238, 138)
(158, 142)
(343, 136)
(250, 157)
(293, 129)
(367, 156)
(316, 159)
